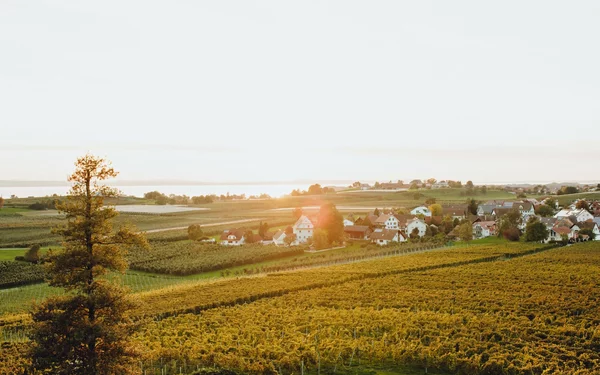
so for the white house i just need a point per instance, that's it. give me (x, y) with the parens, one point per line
(418, 224)
(384, 237)
(580, 214)
(303, 229)
(233, 237)
(421, 210)
(279, 237)
(440, 185)
(591, 224)
(483, 229)
(526, 209)
(387, 221)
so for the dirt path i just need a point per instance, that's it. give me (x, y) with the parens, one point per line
(203, 225)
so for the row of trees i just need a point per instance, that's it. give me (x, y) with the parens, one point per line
(162, 199)
(315, 189)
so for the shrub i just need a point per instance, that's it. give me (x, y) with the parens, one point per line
(33, 254)
(512, 234)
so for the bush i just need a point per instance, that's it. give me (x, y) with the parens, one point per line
(20, 273)
(33, 254)
(195, 232)
(512, 234)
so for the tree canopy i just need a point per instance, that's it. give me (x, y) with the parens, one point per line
(331, 221)
(535, 230)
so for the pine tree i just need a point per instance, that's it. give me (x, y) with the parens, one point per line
(86, 330)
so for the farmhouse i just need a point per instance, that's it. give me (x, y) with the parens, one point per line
(303, 229)
(384, 237)
(387, 221)
(579, 214)
(232, 237)
(417, 224)
(483, 229)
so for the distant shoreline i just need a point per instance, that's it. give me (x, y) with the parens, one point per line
(24, 183)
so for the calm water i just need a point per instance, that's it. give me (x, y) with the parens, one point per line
(138, 191)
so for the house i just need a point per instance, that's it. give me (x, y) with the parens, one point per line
(593, 226)
(403, 221)
(279, 237)
(580, 214)
(526, 209)
(348, 222)
(455, 212)
(303, 229)
(387, 221)
(483, 229)
(357, 232)
(232, 237)
(384, 237)
(365, 186)
(485, 209)
(421, 210)
(417, 224)
(500, 211)
(440, 185)
(564, 227)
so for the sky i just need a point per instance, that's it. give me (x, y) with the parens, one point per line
(223, 91)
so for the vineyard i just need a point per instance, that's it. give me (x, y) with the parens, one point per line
(19, 273)
(480, 309)
(188, 257)
(531, 315)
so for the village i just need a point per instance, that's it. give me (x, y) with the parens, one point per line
(577, 222)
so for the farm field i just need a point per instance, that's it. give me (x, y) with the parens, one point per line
(21, 227)
(527, 315)
(475, 310)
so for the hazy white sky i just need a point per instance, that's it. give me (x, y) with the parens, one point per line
(280, 90)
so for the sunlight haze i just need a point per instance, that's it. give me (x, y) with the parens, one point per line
(281, 91)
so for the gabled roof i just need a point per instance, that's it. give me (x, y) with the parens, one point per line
(434, 220)
(454, 211)
(372, 217)
(403, 219)
(487, 224)
(238, 233)
(303, 219)
(414, 219)
(525, 206)
(487, 208)
(386, 234)
(548, 221)
(279, 235)
(356, 229)
(561, 230)
(383, 218)
(501, 211)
